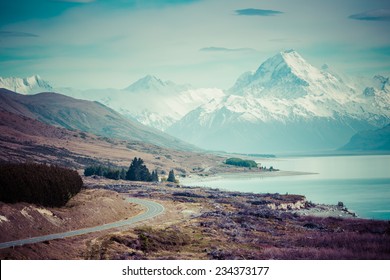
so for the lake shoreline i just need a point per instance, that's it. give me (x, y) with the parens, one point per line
(194, 178)
(316, 210)
(362, 183)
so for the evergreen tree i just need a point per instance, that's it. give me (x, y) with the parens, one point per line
(138, 171)
(133, 172)
(145, 174)
(154, 176)
(122, 174)
(171, 176)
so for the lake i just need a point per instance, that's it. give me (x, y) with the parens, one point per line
(362, 183)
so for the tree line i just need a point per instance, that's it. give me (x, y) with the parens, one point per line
(41, 184)
(137, 171)
(241, 162)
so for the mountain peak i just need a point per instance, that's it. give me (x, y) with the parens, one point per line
(149, 82)
(295, 62)
(152, 84)
(288, 75)
(151, 79)
(290, 53)
(34, 78)
(381, 82)
(28, 85)
(286, 67)
(285, 63)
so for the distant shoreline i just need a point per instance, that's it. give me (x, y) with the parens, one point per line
(244, 175)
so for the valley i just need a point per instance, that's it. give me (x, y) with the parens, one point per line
(286, 106)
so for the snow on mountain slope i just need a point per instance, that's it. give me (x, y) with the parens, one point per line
(286, 105)
(288, 76)
(151, 101)
(29, 85)
(160, 103)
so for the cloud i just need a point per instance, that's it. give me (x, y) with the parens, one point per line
(221, 49)
(16, 34)
(257, 12)
(373, 15)
(285, 40)
(76, 1)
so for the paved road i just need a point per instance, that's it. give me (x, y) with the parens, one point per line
(152, 210)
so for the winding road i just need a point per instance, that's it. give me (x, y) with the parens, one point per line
(153, 209)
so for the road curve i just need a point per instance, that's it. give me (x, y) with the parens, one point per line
(153, 209)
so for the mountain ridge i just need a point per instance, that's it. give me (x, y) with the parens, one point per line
(28, 85)
(370, 140)
(149, 100)
(285, 95)
(88, 116)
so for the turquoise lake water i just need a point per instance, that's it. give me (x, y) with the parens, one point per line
(362, 183)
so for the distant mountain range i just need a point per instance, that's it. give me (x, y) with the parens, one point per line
(286, 105)
(371, 140)
(93, 117)
(149, 100)
(29, 85)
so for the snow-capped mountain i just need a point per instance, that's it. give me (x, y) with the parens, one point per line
(29, 85)
(161, 103)
(150, 100)
(152, 85)
(287, 105)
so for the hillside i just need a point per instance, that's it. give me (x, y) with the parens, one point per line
(24, 139)
(370, 140)
(92, 117)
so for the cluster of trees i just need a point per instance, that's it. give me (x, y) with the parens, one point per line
(139, 172)
(241, 162)
(110, 173)
(45, 185)
(136, 172)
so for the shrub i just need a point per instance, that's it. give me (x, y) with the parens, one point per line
(241, 162)
(40, 184)
(153, 240)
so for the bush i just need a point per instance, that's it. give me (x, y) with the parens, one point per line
(241, 162)
(154, 240)
(40, 184)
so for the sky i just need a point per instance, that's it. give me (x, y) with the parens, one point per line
(207, 43)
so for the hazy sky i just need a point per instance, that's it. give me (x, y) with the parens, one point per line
(112, 43)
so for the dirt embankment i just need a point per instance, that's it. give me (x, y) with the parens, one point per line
(91, 207)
